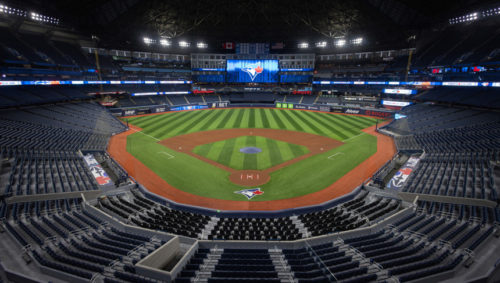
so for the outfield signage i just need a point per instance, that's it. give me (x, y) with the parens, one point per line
(395, 103)
(324, 108)
(414, 83)
(97, 171)
(128, 112)
(359, 111)
(159, 93)
(284, 105)
(401, 177)
(217, 104)
(403, 91)
(159, 109)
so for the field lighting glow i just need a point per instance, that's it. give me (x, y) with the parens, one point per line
(303, 45)
(183, 44)
(340, 42)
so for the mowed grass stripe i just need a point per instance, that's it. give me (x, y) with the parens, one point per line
(299, 118)
(236, 160)
(285, 151)
(266, 124)
(339, 123)
(228, 117)
(339, 133)
(274, 152)
(250, 160)
(209, 122)
(258, 118)
(204, 149)
(226, 152)
(367, 122)
(251, 118)
(315, 128)
(167, 119)
(350, 121)
(188, 126)
(294, 124)
(162, 118)
(297, 150)
(263, 158)
(237, 121)
(164, 130)
(276, 119)
(139, 122)
(245, 118)
(286, 123)
(215, 151)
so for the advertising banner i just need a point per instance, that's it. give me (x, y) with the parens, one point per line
(159, 109)
(129, 112)
(399, 179)
(97, 171)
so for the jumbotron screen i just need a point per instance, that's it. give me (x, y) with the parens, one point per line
(252, 71)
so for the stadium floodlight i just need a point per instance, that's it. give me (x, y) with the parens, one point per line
(340, 42)
(303, 45)
(357, 41)
(183, 44)
(201, 45)
(164, 42)
(44, 19)
(321, 44)
(148, 40)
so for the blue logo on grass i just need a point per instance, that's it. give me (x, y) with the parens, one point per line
(250, 193)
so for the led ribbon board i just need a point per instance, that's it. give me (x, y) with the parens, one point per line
(48, 83)
(414, 83)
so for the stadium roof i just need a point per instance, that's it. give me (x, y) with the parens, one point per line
(120, 21)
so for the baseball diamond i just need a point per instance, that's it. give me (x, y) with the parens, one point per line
(295, 149)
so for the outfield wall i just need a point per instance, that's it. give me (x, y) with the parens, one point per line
(144, 110)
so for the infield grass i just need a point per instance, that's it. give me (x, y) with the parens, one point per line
(227, 152)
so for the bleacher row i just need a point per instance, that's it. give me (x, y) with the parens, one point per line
(461, 151)
(62, 236)
(137, 209)
(411, 248)
(452, 174)
(45, 172)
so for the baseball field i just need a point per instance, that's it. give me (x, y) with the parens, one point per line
(286, 153)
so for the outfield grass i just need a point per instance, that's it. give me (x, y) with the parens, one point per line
(195, 176)
(227, 152)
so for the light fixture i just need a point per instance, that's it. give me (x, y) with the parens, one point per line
(321, 44)
(183, 44)
(340, 42)
(164, 42)
(201, 45)
(303, 45)
(357, 41)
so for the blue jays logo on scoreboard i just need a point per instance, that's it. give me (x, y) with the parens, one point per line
(253, 70)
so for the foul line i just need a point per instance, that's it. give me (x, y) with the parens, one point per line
(333, 155)
(144, 134)
(170, 156)
(353, 137)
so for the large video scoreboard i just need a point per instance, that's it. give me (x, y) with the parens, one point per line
(252, 71)
(238, 68)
